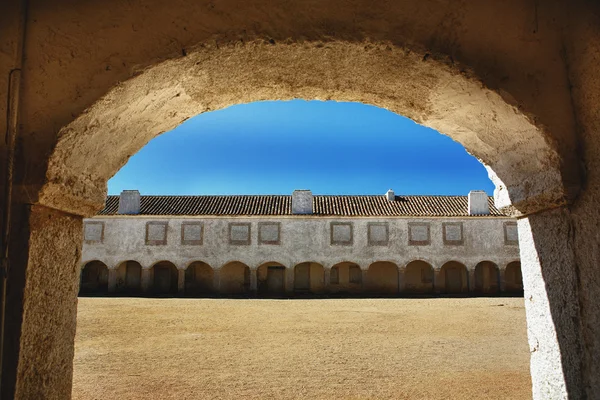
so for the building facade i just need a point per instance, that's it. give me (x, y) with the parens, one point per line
(300, 245)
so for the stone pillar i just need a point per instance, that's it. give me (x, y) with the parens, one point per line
(437, 281)
(180, 281)
(551, 305)
(401, 283)
(363, 286)
(146, 280)
(253, 282)
(471, 279)
(41, 308)
(501, 278)
(112, 280)
(217, 280)
(326, 278)
(289, 281)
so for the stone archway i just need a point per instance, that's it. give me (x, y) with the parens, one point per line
(452, 278)
(271, 279)
(164, 277)
(418, 277)
(432, 93)
(199, 277)
(94, 278)
(382, 279)
(129, 277)
(346, 277)
(234, 279)
(487, 278)
(545, 75)
(513, 278)
(309, 277)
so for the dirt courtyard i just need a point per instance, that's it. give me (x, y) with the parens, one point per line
(473, 348)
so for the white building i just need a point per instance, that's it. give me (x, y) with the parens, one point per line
(290, 245)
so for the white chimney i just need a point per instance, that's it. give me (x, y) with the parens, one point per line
(302, 202)
(478, 203)
(390, 195)
(129, 202)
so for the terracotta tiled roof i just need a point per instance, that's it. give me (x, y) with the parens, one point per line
(416, 206)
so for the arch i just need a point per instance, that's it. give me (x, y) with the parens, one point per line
(382, 278)
(309, 277)
(487, 278)
(94, 278)
(557, 92)
(129, 277)
(164, 278)
(199, 277)
(271, 279)
(433, 93)
(234, 279)
(513, 278)
(345, 277)
(453, 278)
(418, 277)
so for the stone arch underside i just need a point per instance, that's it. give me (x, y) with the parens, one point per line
(521, 161)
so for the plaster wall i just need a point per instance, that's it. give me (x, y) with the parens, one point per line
(302, 239)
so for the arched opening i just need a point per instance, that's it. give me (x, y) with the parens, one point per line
(382, 279)
(234, 279)
(309, 277)
(418, 277)
(271, 278)
(453, 278)
(487, 278)
(129, 278)
(513, 278)
(345, 278)
(142, 97)
(94, 278)
(199, 279)
(164, 278)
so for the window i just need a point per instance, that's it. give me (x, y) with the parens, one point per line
(355, 274)
(453, 233)
(341, 233)
(156, 233)
(418, 234)
(93, 232)
(269, 232)
(334, 276)
(426, 275)
(239, 233)
(192, 233)
(511, 234)
(378, 233)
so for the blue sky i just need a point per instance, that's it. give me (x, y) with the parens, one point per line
(277, 146)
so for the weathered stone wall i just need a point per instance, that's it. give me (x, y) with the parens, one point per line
(460, 67)
(301, 239)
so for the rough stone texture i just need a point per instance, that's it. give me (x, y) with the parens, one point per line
(583, 59)
(45, 359)
(550, 285)
(520, 91)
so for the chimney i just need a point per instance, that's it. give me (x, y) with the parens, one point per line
(390, 195)
(302, 202)
(478, 203)
(129, 202)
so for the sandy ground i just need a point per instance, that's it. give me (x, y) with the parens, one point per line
(301, 349)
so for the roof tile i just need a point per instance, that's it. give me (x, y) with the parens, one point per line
(333, 205)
